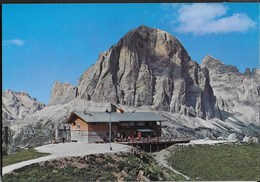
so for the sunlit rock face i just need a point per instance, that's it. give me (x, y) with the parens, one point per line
(150, 67)
(62, 93)
(17, 105)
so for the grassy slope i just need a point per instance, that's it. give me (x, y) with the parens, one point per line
(21, 156)
(101, 167)
(220, 162)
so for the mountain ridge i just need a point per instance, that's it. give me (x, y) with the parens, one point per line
(17, 105)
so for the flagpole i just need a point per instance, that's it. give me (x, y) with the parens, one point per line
(110, 127)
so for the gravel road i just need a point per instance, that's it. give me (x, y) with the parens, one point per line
(62, 150)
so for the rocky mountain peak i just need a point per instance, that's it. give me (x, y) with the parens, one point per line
(215, 65)
(13, 93)
(17, 105)
(149, 67)
(62, 93)
(210, 62)
(234, 90)
(247, 72)
(145, 39)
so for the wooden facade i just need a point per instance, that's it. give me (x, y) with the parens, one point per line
(91, 132)
(84, 128)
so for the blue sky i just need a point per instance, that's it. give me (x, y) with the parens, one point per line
(44, 43)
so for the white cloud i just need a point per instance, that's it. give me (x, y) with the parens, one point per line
(211, 18)
(16, 42)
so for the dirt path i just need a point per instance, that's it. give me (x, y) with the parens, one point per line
(67, 150)
(161, 159)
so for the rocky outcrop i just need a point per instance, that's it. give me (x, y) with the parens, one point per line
(216, 66)
(248, 72)
(229, 83)
(232, 138)
(248, 139)
(237, 93)
(150, 67)
(18, 105)
(62, 93)
(256, 75)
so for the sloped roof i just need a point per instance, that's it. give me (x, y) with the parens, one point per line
(117, 117)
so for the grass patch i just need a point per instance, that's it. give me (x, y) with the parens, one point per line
(22, 156)
(218, 162)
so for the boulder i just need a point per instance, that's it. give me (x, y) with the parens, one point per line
(247, 139)
(232, 138)
(255, 140)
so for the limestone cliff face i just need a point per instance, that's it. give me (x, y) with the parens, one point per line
(18, 105)
(236, 92)
(150, 67)
(62, 93)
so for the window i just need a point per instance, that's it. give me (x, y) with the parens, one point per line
(78, 126)
(73, 123)
(124, 124)
(131, 124)
(140, 123)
